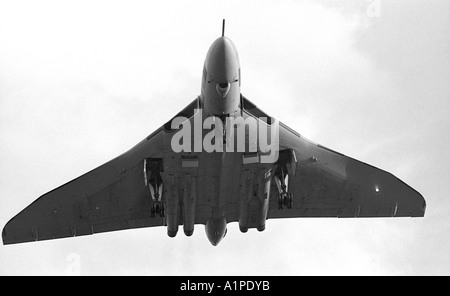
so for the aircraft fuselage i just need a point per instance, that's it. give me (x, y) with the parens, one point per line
(220, 97)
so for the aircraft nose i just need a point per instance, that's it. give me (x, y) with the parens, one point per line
(223, 89)
(222, 61)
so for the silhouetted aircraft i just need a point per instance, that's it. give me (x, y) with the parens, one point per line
(220, 160)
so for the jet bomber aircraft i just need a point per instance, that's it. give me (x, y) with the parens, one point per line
(220, 160)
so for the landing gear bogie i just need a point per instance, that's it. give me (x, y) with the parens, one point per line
(285, 200)
(157, 209)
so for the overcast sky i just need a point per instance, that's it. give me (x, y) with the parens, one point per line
(82, 82)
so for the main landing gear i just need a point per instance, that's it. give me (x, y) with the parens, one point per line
(157, 209)
(285, 198)
(153, 180)
(286, 167)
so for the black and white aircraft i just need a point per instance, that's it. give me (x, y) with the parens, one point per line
(208, 166)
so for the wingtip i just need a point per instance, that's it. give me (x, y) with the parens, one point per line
(7, 240)
(4, 236)
(421, 204)
(421, 207)
(8, 234)
(424, 207)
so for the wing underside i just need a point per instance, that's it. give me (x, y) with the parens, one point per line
(115, 197)
(111, 197)
(326, 183)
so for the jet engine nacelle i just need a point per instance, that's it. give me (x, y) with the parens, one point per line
(189, 193)
(172, 204)
(254, 205)
(180, 203)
